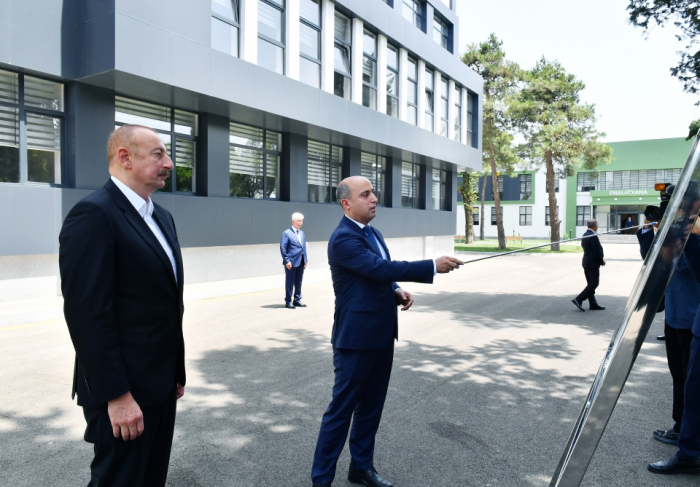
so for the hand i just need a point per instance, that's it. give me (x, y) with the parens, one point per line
(126, 417)
(404, 298)
(288, 265)
(306, 265)
(180, 391)
(696, 227)
(603, 263)
(446, 264)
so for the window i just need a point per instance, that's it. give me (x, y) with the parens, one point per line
(438, 189)
(369, 70)
(525, 186)
(254, 162)
(33, 155)
(457, 94)
(392, 81)
(341, 61)
(271, 35)
(374, 168)
(644, 179)
(546, 216)
(444, 106)
(441, 32)
(470, 120)
(493, 215)
(525, 216)
(413, 12)
(556, 185)
(324, 172)
(176, 128)
(475, 215)
(499, 180)
(310, 43)
(410, 176)
(583, 214)
(586, 181)
(225, 26)
(429, 100)
(412, 95)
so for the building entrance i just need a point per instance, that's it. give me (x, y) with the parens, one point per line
(622, 217)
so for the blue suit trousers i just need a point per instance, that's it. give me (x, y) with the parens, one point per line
(292, 285)
(361, 383)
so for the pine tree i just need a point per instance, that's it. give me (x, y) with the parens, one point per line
(467, 188)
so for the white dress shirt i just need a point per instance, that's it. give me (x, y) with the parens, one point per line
(145, 209)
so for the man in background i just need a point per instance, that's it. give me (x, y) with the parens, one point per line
(295, 260)
(592, 260)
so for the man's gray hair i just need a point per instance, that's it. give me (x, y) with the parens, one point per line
(342, 192)
(297, 216)
(591, 223)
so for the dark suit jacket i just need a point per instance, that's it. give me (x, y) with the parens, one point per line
(592, 251)
(122, 304)
(290, 248)
(645, 240)
(364, 284)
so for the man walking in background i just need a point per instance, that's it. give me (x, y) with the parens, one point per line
(592, 260)
(295, 260)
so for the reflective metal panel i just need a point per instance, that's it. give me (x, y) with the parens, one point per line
(640, 310)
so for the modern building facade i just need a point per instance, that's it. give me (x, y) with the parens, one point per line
(612, 194)
(264, 106)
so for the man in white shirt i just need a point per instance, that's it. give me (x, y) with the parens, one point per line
(122, 280)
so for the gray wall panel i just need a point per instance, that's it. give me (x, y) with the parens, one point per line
(191, 65)
(231, 78)
(272, 92)
(131, 37)
(5, 56)
(95, 47)
(26, 22)
(192, 19)
(307, 100)
(213, 172)
(334, 112)
(155, 12)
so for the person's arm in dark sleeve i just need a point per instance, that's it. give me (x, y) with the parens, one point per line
(692, 254)
(87, 266)
(599, 251)
(645, 240)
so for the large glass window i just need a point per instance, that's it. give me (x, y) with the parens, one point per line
(324, 172)
(33, 155)
(225, 26)
(493, 216)
(475, 215)
(457, 94)
(441, 32)
(369, 70)
(444, 106)
(310, 43)
(271, 35)
(546, 216)
(525, 186)
(412, 95)
(438, 190)
(413, 12)
(373, 167)
(341, 58)
(583, 214)
(254, 162)
(607, 180)
(410, 177)
(176, 128)
(470, 120)
(525, 216)
(429, 99)
(392, 81)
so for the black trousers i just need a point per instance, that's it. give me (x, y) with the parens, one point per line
(142, 462)
(678, 355)
(593, 279)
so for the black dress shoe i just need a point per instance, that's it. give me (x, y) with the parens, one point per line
(368, 477)
(299, 304)
(578, 305)
(667, 436)
(322, 485)
(675, 465)
(289, 306)
(596, 307)
(661, 337)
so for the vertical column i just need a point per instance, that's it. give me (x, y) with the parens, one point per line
(295, 168)
(393, 184)
(453, 38)
(421, 93)
(327, 43)
(291, 51)
(212, 167)
(357, 38)
(451, 115)
(403, 83)
(351, 162)
(381, 74)
(425, 187)
(429, 13)
(398, 5)
(465, 122)
(451, 190)
(249, 31)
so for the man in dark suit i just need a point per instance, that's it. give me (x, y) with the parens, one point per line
(295, 260)
(592, 260)
(122, 279)
(364, 330)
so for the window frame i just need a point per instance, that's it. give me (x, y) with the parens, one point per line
(265, 152)
(22, 132)
(318, 29)
(475, 215)
(471, 100)
(281, 6)
(373, 59)
(233, 23)
(331, 164)
(343, 44)
(556, 184)
(429, 97)
(395, 71)
(457, 129)
(379, 173)
(445, 100)
(444, 32)
(416, 9)
(547, 223)
(494, 220)
(581, 215)
(415, 185)
(526, 212)
(414, 82)
(526, 184)
(442, 184)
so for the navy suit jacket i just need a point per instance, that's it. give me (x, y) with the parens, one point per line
(365, 288)
(290, 248)
(122, 303)
(592, 251)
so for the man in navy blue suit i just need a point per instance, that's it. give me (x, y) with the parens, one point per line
(295, 260)
(364, 330)
(593, 258)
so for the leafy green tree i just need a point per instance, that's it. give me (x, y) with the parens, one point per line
(467, 188)
(500, 81)
(559, 129)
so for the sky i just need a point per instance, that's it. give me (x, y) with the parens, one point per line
(627, 77)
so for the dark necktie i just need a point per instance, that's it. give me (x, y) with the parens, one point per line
(368, 231)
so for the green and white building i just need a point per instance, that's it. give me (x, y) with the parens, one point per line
(612, 194)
